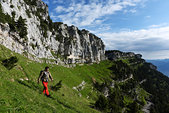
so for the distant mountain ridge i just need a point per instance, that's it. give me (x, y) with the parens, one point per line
(162, 65)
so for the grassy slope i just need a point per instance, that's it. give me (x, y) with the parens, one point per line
(26, 96)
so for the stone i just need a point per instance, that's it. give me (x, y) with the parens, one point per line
(26, 78)
(21, 79)
(12, 80)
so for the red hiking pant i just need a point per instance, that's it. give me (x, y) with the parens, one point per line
(45, 90)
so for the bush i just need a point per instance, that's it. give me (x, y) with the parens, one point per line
(121, 70)
(133, 108)
(4, 18)
(11, 6)
(10, 63)
(44, 26)
(21, 27)
(102, 103)
(51, 24)
(13, 14)
(18, 26)
(30, 2)
(33, 46)
(28, 13)
(113, 103)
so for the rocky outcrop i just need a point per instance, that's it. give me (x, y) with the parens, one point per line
(152, 66)
(115, 54)
(9, 40)
(146, 108)
(45, 39)
(80, 87)
(79, 46)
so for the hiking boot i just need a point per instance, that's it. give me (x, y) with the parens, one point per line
(49, 96)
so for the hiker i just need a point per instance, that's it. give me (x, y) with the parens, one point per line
(44, 76)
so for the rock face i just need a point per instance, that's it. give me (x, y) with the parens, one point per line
(80, 46)
(115, 54)
(8, 39)
(45, 39)
(152, 66)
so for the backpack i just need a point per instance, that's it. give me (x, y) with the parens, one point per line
(44, 77)
(40, 74)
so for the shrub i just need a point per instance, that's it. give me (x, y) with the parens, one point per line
(102, 103)
(30, 2)
(4, 18)
(51, 24)
(18, 26)
(21, 27)
(133, 108)
(28, 13)
(13, 14)
(10, 63)
(11, 6)
(32, 45)
(44, 26)
(121, 70)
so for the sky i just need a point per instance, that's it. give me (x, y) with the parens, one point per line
(140, 26)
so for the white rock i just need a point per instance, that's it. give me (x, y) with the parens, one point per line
(76, 46)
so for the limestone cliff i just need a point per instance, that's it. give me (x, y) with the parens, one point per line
(116, 54)
(44, 39)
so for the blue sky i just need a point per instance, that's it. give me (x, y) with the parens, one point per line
(140, 26)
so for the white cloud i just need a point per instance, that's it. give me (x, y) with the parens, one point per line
(163, 54)
(57, 1)
(60, 9)
(53, 17)
(130, 11)
(86, 14)
(54, 1)
(147, 17)
(152, 42)
(133, 10)
(46, 1)
(160, 25)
